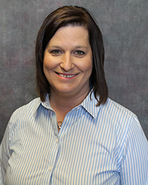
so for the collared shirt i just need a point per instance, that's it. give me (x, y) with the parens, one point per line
(95, 145)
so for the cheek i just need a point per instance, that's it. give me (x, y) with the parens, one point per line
(45, 67)
(89, 64)
(89, 70)
(45, 62)
(48, 63)
(88, 67)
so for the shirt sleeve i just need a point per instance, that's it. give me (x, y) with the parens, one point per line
(134, 165)
(4, 155)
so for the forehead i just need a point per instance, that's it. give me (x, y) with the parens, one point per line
(70, 33)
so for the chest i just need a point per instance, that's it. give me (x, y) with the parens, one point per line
(84, 154)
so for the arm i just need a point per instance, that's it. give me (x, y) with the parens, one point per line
(134, 166)
(4, 155)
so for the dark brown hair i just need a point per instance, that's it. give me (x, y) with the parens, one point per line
(72, 15)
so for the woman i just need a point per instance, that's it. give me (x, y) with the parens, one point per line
(73, 133)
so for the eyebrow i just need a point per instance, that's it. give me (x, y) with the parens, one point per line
(59, 47)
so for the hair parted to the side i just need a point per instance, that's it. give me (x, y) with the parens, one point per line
(72, 15)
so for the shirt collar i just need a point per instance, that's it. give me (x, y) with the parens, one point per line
(89, 104)
(37, 103)
(46, 103)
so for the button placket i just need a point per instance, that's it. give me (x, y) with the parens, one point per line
(54, 153)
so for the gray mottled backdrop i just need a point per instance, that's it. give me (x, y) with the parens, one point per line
(124, 24)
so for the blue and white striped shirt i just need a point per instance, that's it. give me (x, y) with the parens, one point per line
(96, 145)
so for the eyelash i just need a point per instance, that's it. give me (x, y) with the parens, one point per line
(78, 53)
(55, 52)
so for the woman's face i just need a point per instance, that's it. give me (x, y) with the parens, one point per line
(67, 61)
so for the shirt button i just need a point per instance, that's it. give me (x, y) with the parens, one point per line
(50, 168)
(57, 140)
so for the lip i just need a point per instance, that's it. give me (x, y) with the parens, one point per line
(66, 76)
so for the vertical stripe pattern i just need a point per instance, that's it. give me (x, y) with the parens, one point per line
(102, 145)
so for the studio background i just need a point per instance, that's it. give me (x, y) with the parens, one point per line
(124, 25)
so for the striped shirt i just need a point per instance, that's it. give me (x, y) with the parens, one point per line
(102, 145)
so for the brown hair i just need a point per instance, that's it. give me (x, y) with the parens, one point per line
(72, 15)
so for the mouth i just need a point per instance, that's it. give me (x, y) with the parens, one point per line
(66, 75)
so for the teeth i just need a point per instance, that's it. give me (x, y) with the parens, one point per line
(66, 76)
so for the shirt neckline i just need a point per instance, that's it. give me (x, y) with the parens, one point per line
(89, 104)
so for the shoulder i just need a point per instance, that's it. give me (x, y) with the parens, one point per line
(28, 109)
(110, 112)
(113, 108)
(122, 122)
(118, 117)
(23, 117)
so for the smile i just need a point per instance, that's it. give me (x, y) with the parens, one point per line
(66, 76)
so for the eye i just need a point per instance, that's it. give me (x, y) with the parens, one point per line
(56, 52)
(79, 53)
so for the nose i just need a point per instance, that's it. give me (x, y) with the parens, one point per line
(67, 62)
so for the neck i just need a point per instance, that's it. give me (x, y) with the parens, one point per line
(62, 104)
